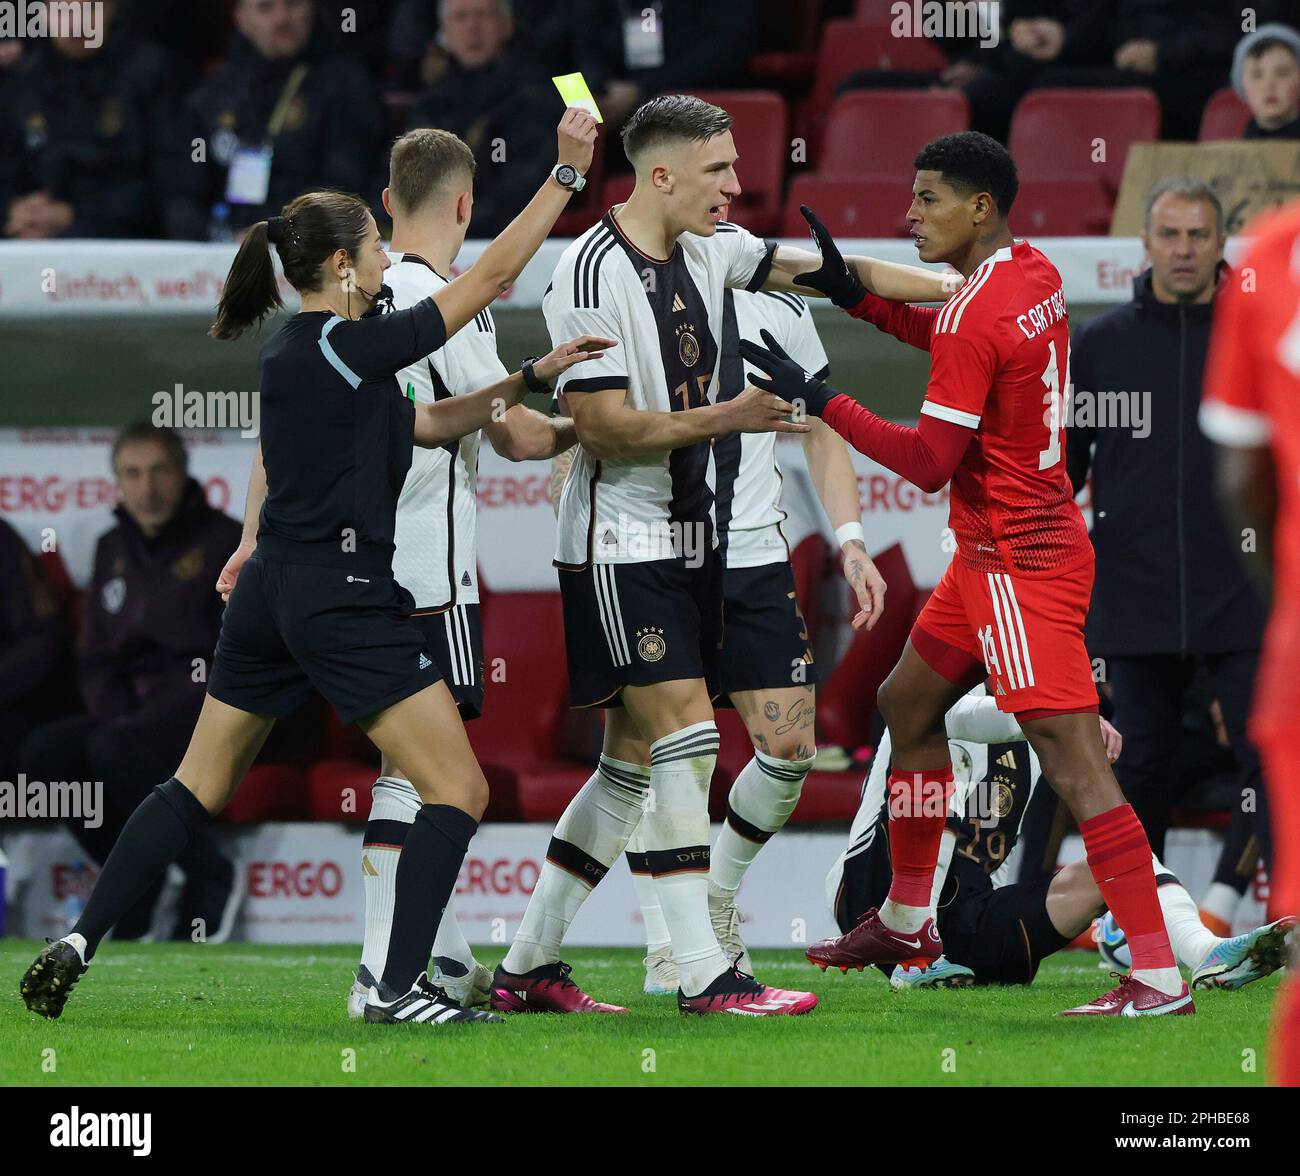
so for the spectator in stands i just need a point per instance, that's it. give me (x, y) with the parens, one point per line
(276, 119)
(418, 56)
(1037, 35)
(83, 125)
(149, 626)
(1170, 591)
(492, 94)
(1266, 76)
(348, 29)
(1178, 48)
(34, 648)
(631, 50)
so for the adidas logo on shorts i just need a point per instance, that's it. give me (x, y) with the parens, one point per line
(425, 663)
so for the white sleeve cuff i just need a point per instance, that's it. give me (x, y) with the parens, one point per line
(1238, 427)
(953, 416)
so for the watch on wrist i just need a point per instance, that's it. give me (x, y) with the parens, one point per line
(532, 379)
(567, 176)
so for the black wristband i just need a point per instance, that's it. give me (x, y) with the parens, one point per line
(532, 379)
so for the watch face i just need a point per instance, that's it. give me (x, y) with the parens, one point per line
(565, 174)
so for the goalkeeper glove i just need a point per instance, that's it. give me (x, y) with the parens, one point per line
(785, 377)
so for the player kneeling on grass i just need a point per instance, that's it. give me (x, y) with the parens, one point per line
(313, 604)
(996, 931)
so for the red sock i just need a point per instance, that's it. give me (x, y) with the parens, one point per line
(918, 807)
(1119, 857)
(1285, 1065)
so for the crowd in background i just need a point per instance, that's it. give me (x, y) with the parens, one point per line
(192, 121)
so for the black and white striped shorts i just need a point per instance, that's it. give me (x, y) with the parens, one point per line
(635, 624)
(455, 640)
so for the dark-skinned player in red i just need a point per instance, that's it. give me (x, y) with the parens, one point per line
(1251, 409)
(1011, 605)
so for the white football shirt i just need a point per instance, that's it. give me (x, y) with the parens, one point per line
(435, 536)
(749, 491)
(667, 316)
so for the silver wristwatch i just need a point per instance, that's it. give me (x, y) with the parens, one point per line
(567, 176)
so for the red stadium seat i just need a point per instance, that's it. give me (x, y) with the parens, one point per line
(828, 798)
(878, 132)
(873, 12)
(1056, 133)
(787, 40)
(270, 792)
(810, 562)
(1225, 116)
(516, 739)
(1062, 208)
(761, 133)
(848, 47)
(617, 190)
(850, 206)
(847, 701)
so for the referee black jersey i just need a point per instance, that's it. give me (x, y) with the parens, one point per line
(337, 434)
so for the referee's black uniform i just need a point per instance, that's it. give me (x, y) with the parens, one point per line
(316, 606)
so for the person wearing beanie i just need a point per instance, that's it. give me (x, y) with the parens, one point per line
(1266, 76)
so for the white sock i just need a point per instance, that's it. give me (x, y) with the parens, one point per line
(588, 839)
(760, 803)
(1191, 939)
(450, 942)
(392, 799)
(898, 917)
(676, 837)
(652, 915)
(1222, 901)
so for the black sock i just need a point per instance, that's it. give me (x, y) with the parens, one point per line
(202, 858)
(426, 873)
(157, 832)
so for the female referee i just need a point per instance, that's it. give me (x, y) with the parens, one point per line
(316, 606)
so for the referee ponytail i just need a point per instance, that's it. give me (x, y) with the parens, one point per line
(312, 228)
(251, 291)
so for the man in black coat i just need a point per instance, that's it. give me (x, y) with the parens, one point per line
(35, 649)
(149, 626)
(490, 91)
(85, 129)
(1170, 591)
(278, 118)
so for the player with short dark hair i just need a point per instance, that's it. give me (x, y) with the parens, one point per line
(637, 544)
(313, 604)
(1012, 603)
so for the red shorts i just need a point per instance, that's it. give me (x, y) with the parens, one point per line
(1024, 635)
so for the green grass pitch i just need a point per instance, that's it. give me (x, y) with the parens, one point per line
(239, 1014)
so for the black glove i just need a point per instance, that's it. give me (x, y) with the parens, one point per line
(785, 377)
(835, 279)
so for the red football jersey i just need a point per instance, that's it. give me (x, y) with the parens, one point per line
(1000, 364)
(1252, 398)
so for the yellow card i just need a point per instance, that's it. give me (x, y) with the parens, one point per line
(574, 90)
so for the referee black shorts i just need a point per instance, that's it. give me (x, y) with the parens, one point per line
(289, 629)
(765, 645)
(635, 624)
(454, 638)
(1001, 933)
